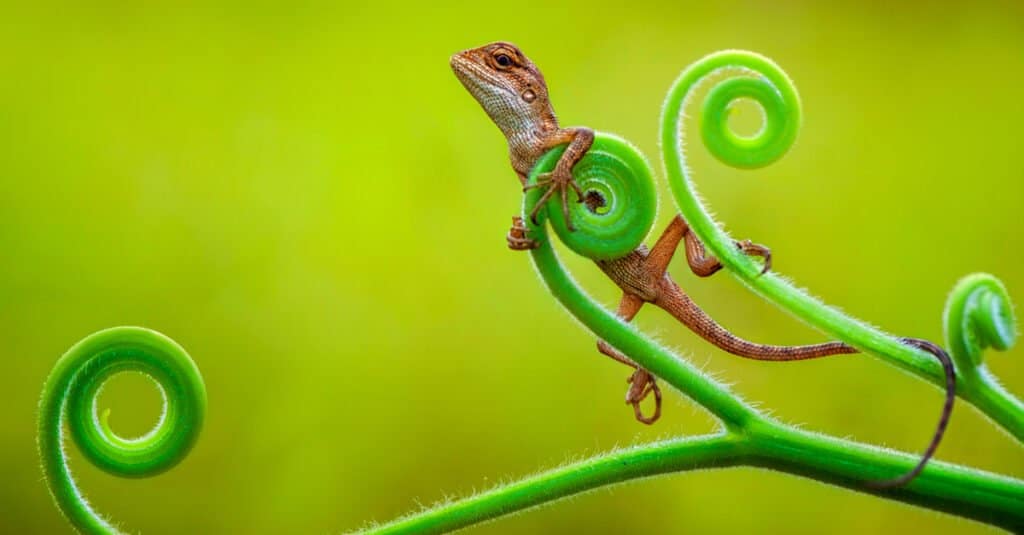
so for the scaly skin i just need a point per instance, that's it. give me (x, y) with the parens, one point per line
(512, 90)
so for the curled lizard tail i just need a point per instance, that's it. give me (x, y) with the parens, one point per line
(947, 411)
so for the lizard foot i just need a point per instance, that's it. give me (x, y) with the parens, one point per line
(517, 240)
(560, 180)
(642, 383)
(750, 248)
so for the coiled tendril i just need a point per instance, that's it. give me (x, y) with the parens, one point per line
(70, 395)
(978, 315)
(620, 201)
(781, 120)
(763, 82)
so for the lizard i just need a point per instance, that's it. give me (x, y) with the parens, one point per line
(512, 91)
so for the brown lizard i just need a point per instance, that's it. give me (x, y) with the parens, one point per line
(512, 90)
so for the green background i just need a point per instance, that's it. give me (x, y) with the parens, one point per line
(304, 197)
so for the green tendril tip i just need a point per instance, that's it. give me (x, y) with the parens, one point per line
(978, 315)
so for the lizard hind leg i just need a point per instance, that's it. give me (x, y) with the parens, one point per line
(701, 263)
(641, 382)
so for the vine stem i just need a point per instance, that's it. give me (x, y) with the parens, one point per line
(978, 315)
(778, 98)
(709, 451)
(750, 439)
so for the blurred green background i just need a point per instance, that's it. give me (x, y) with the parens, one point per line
(304, 197)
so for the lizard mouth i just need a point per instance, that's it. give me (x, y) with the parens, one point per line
(475, 78)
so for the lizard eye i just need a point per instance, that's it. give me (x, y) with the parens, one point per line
(503, 60)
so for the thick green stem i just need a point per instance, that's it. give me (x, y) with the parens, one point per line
(750, 437)
(944, 487)
(614, 467)
(753, 440)
(958, 490)
(979, 315)
(982, 390)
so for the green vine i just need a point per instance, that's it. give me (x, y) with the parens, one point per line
(70, 393)
(978, 315)
(780, 102)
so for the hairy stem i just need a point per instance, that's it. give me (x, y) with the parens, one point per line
(954, 489)
(978, 316)
(751, 439)
(942, 487)
(677, 455)
(769, 86)
(754, 439)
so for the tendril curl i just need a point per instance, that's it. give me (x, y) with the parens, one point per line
(978, 315)
(70, 395)
(619, 197)
(771, 90)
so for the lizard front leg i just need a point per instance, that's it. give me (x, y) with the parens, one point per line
(580, 139)
(516, 237)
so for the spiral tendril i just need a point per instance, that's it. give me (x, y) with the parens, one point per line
(753, 77)
(620, 201)
(70, 395)
(778, 129)
(978, 315)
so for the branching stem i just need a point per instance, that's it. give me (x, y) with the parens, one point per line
(978, 315)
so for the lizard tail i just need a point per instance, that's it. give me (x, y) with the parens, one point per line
(677, 303)
(686, 311)
(947, 411)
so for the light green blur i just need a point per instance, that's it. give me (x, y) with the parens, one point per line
(307, 201)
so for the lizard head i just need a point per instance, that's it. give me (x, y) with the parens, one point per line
(508, 86)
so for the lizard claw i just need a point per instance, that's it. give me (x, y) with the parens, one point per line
(559, 181)
(750, 248)
(642, 384)
(516, 238)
